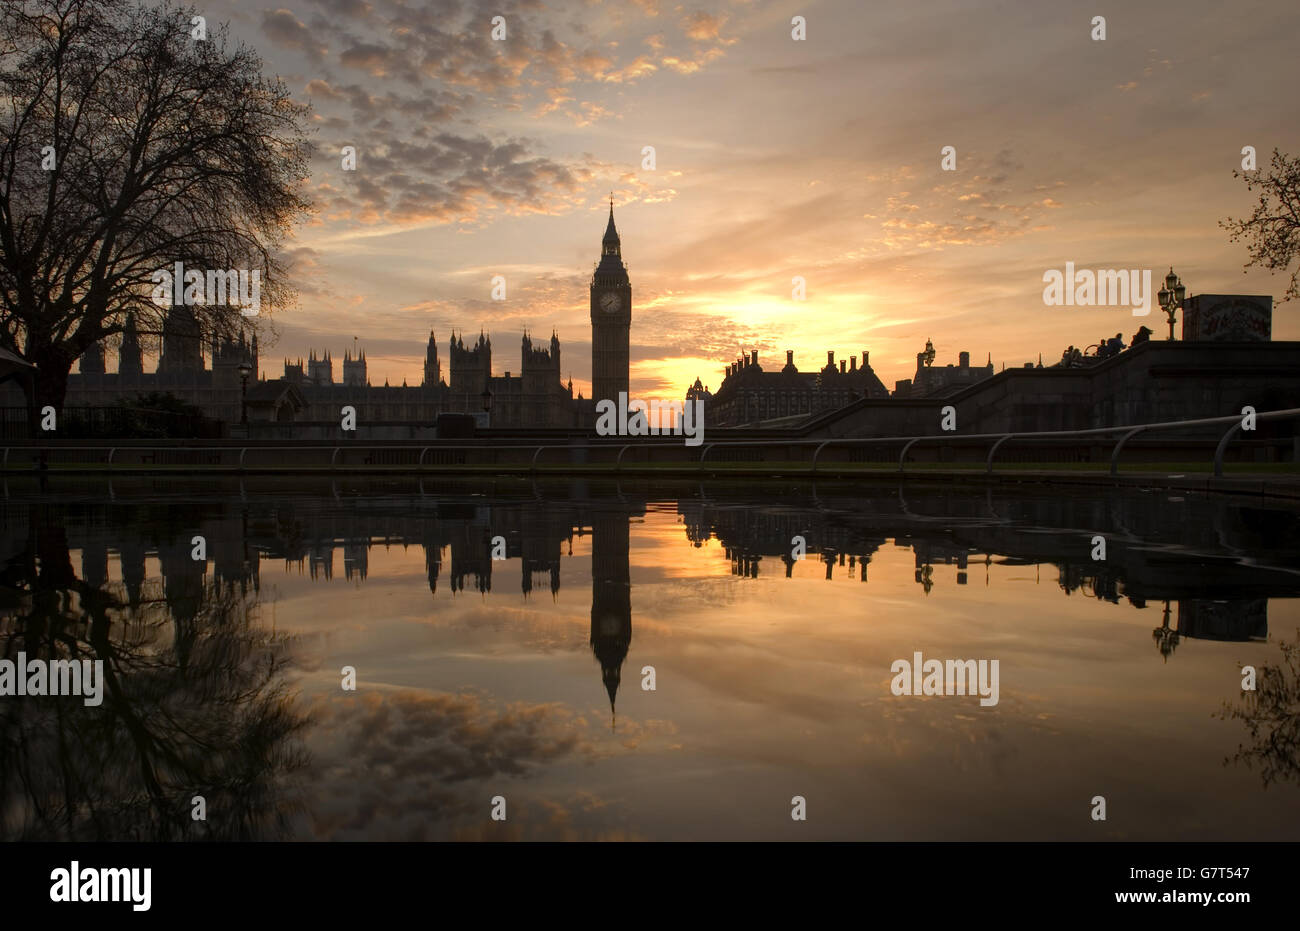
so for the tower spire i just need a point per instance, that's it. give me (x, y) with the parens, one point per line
(610, 244)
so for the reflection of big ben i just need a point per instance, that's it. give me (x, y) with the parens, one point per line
(611, 596)
(611, 318)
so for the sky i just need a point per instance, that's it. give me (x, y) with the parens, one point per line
(773, 158)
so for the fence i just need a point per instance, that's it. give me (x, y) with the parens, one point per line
(792, 456)
(92, 423)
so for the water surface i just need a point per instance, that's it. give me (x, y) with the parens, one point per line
(524, 677)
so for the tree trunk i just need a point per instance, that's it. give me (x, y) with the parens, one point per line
(52, 367)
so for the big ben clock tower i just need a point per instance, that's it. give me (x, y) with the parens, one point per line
(611, 318)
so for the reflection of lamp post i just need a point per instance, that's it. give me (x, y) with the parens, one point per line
(244, 371)
(487, 401)
(1166, 638)
(1171, 297)
(928, 356)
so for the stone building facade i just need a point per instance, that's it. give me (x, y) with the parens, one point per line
(749, 394)
(534, 396)
(213, 387)
(931, 382)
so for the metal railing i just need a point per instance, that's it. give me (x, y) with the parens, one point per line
(998, 440)
(1126, 434)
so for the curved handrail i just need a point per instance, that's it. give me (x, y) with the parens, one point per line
(988, 463)
(902, 457)
(1114, 453)
(1223, 444)
(817, 452)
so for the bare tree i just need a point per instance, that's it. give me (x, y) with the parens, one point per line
(129, 144)
(1272, 233)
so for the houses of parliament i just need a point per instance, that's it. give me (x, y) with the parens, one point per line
(535, 395)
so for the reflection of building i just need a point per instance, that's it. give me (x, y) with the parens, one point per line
(1235, 619)
(611, 596)
(748, 535)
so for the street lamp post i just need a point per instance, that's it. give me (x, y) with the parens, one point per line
(1171, 297)
(244, 371)
(487, 402)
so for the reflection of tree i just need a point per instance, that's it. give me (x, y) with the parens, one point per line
(1271, 714)
(194, 703)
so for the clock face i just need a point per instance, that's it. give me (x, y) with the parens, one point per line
(610, 302)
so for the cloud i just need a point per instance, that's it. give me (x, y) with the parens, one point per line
(287, 31)
(702, 27)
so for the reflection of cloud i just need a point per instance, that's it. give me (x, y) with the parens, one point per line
(409, 764)
(415, 765)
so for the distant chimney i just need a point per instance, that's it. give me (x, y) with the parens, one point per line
(789, 357)
(830, 358)
(963, 359)
(754, 359)
(842, 364)
(853, 363)
(865, 354)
